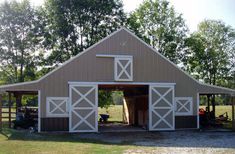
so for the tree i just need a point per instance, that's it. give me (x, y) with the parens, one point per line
(75, 25)
(157, 23)
(19, 39)
(105, 99)
(211, 52)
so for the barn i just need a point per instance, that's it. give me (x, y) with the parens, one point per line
(156, 91)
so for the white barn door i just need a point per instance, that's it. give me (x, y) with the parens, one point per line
(83, 110)
(161, 107)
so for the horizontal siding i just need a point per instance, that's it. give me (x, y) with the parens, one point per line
(148, 67)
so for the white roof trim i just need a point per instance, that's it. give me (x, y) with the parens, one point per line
(113, 56)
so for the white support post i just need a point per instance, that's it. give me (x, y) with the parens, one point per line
(39, 111)
(198, 118)
(233, 112)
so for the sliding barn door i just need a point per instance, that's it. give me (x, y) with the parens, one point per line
(161, 107)
(83, 108)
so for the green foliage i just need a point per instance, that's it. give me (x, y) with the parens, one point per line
(105, 99)
(29, 100)
(108, 98)
(75, 25)
(219, 100)
(210, 56)
(156, 22)
(19, 39)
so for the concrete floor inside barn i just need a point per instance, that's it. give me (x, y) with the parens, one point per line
(120, 127)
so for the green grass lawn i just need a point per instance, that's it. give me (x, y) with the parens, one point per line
(21, 142)
(114, 111)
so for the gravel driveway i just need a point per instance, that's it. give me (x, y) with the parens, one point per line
(171, 142)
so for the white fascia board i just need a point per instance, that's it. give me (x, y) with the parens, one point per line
(113, 56)
(121, 83)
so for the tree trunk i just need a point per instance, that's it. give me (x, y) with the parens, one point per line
(208, 103)
(21, 77)
(213, 99)
(213, 107)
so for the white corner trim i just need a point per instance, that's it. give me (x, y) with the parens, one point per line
(189, 110)
(39, 111)
(198, 118)
(70, 106)
(50, 100)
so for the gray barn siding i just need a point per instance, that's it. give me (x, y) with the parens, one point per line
(148, 66)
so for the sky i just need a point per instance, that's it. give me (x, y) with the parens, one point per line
(193, 11)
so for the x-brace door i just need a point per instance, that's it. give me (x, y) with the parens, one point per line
(161, 107)
(83, 108)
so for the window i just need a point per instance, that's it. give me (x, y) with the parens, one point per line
(183, 106)
(123, 68)
(57, 106)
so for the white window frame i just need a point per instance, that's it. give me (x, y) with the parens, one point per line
(50, 99)
(189, 100)
(116, 63)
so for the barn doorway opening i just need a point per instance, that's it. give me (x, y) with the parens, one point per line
(216, 112)
(19, 110)
(127, 109)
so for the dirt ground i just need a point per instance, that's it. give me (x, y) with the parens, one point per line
(171, 142)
